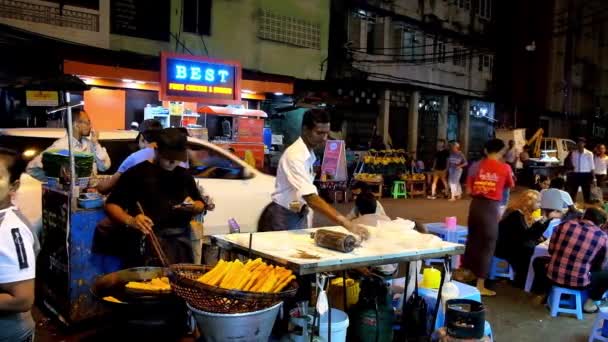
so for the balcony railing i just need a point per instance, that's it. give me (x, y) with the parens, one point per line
(49, 14)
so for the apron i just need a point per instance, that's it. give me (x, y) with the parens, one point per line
(276, 218)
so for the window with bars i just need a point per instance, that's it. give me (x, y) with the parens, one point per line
(439, 51)
(464, 4)
(459, 57)
(486, 63)
(289, 30)
(484, 10)
(197, 16)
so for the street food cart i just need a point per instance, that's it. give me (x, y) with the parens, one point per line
(236, 128)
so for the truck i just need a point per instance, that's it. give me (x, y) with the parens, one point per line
(544, 150)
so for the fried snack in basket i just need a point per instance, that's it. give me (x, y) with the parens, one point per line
(253, 276)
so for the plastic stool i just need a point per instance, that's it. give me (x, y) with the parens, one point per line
(498, 271)
(571, 305)
(399, 189)
(487, 331)
(598, 327)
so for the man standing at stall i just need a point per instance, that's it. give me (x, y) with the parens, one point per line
(295, 193)
(582, 174)
(84, 139)
(160, 196)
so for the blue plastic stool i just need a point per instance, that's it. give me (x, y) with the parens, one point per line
(598, 332)
(487, 331)
(500, 268)
(573, 304)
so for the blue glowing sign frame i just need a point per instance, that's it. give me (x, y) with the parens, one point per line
(198, 79)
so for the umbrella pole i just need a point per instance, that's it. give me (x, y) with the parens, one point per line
(71, 150)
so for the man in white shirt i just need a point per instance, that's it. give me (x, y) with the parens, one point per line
(601, 165)
(511, 155)
(85, 139)
(17, 258)
(295, 191)
(582, 172)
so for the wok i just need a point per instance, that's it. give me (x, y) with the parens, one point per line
(152, 313)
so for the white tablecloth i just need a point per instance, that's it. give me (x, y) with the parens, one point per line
(540, 250)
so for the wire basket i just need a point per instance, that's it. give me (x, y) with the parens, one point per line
(219, 300)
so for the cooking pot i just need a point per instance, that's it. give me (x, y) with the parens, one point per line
(150, 314)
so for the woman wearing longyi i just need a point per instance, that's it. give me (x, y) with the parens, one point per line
(485, 182)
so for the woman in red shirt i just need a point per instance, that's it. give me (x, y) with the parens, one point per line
(485, 182)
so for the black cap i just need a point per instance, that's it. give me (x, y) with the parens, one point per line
(582, 139)
(149, 129)
(172, 144)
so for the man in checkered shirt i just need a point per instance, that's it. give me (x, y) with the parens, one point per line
(578, 250)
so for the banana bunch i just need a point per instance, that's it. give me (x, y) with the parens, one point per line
(368, 177)
(254, 276)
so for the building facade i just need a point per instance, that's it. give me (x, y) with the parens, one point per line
(553, 68)
(428, 64)
(115, 44)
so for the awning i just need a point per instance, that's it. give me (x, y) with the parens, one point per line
(229, 111)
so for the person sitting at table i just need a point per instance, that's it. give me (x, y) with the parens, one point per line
(366, 207)
(578, 258)
(519, 233)
(558, 183)
(360, 188)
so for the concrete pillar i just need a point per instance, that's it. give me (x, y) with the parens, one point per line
(412, 122)
(464, 125)
(384, 117)
(442, 122)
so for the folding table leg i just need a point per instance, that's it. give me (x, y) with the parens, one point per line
(447, 260)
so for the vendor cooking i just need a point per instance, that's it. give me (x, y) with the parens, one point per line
(160, 196)
(85, 139)
(295, 191)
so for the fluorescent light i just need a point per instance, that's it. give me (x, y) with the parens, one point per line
(86, 80)
(247, 91)
(126, 80)
(140, 82)
(278, 94)
(27, 154)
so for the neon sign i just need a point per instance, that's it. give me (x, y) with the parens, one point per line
(198, 79)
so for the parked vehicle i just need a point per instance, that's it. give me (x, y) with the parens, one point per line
(238, 190)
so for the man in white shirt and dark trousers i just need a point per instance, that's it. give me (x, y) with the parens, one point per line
(84, 139)
(295, 193)
(17, 257)
(582, 172)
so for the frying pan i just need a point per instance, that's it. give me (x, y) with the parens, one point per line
(151, 312)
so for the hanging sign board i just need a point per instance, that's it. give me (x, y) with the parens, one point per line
(190, 78)
(41, 98)
(334, 160)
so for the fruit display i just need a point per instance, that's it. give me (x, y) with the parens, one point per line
(389, 163)
(414, 177)
(155, 285)
(253, 276)
(368, 177)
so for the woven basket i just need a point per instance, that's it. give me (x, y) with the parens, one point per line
(218, 300)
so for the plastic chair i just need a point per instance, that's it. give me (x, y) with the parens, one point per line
(600, 325)
(399, 189)
(573, 304)
(487, 331)
(500, 268)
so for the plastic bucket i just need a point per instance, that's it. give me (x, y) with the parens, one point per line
(339, 325)
(251, 326)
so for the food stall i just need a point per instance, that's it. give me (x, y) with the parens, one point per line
(236, 128)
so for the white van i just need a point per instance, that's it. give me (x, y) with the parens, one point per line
(238, 190)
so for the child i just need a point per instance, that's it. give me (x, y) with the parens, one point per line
(357, 189)
(17, 256)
